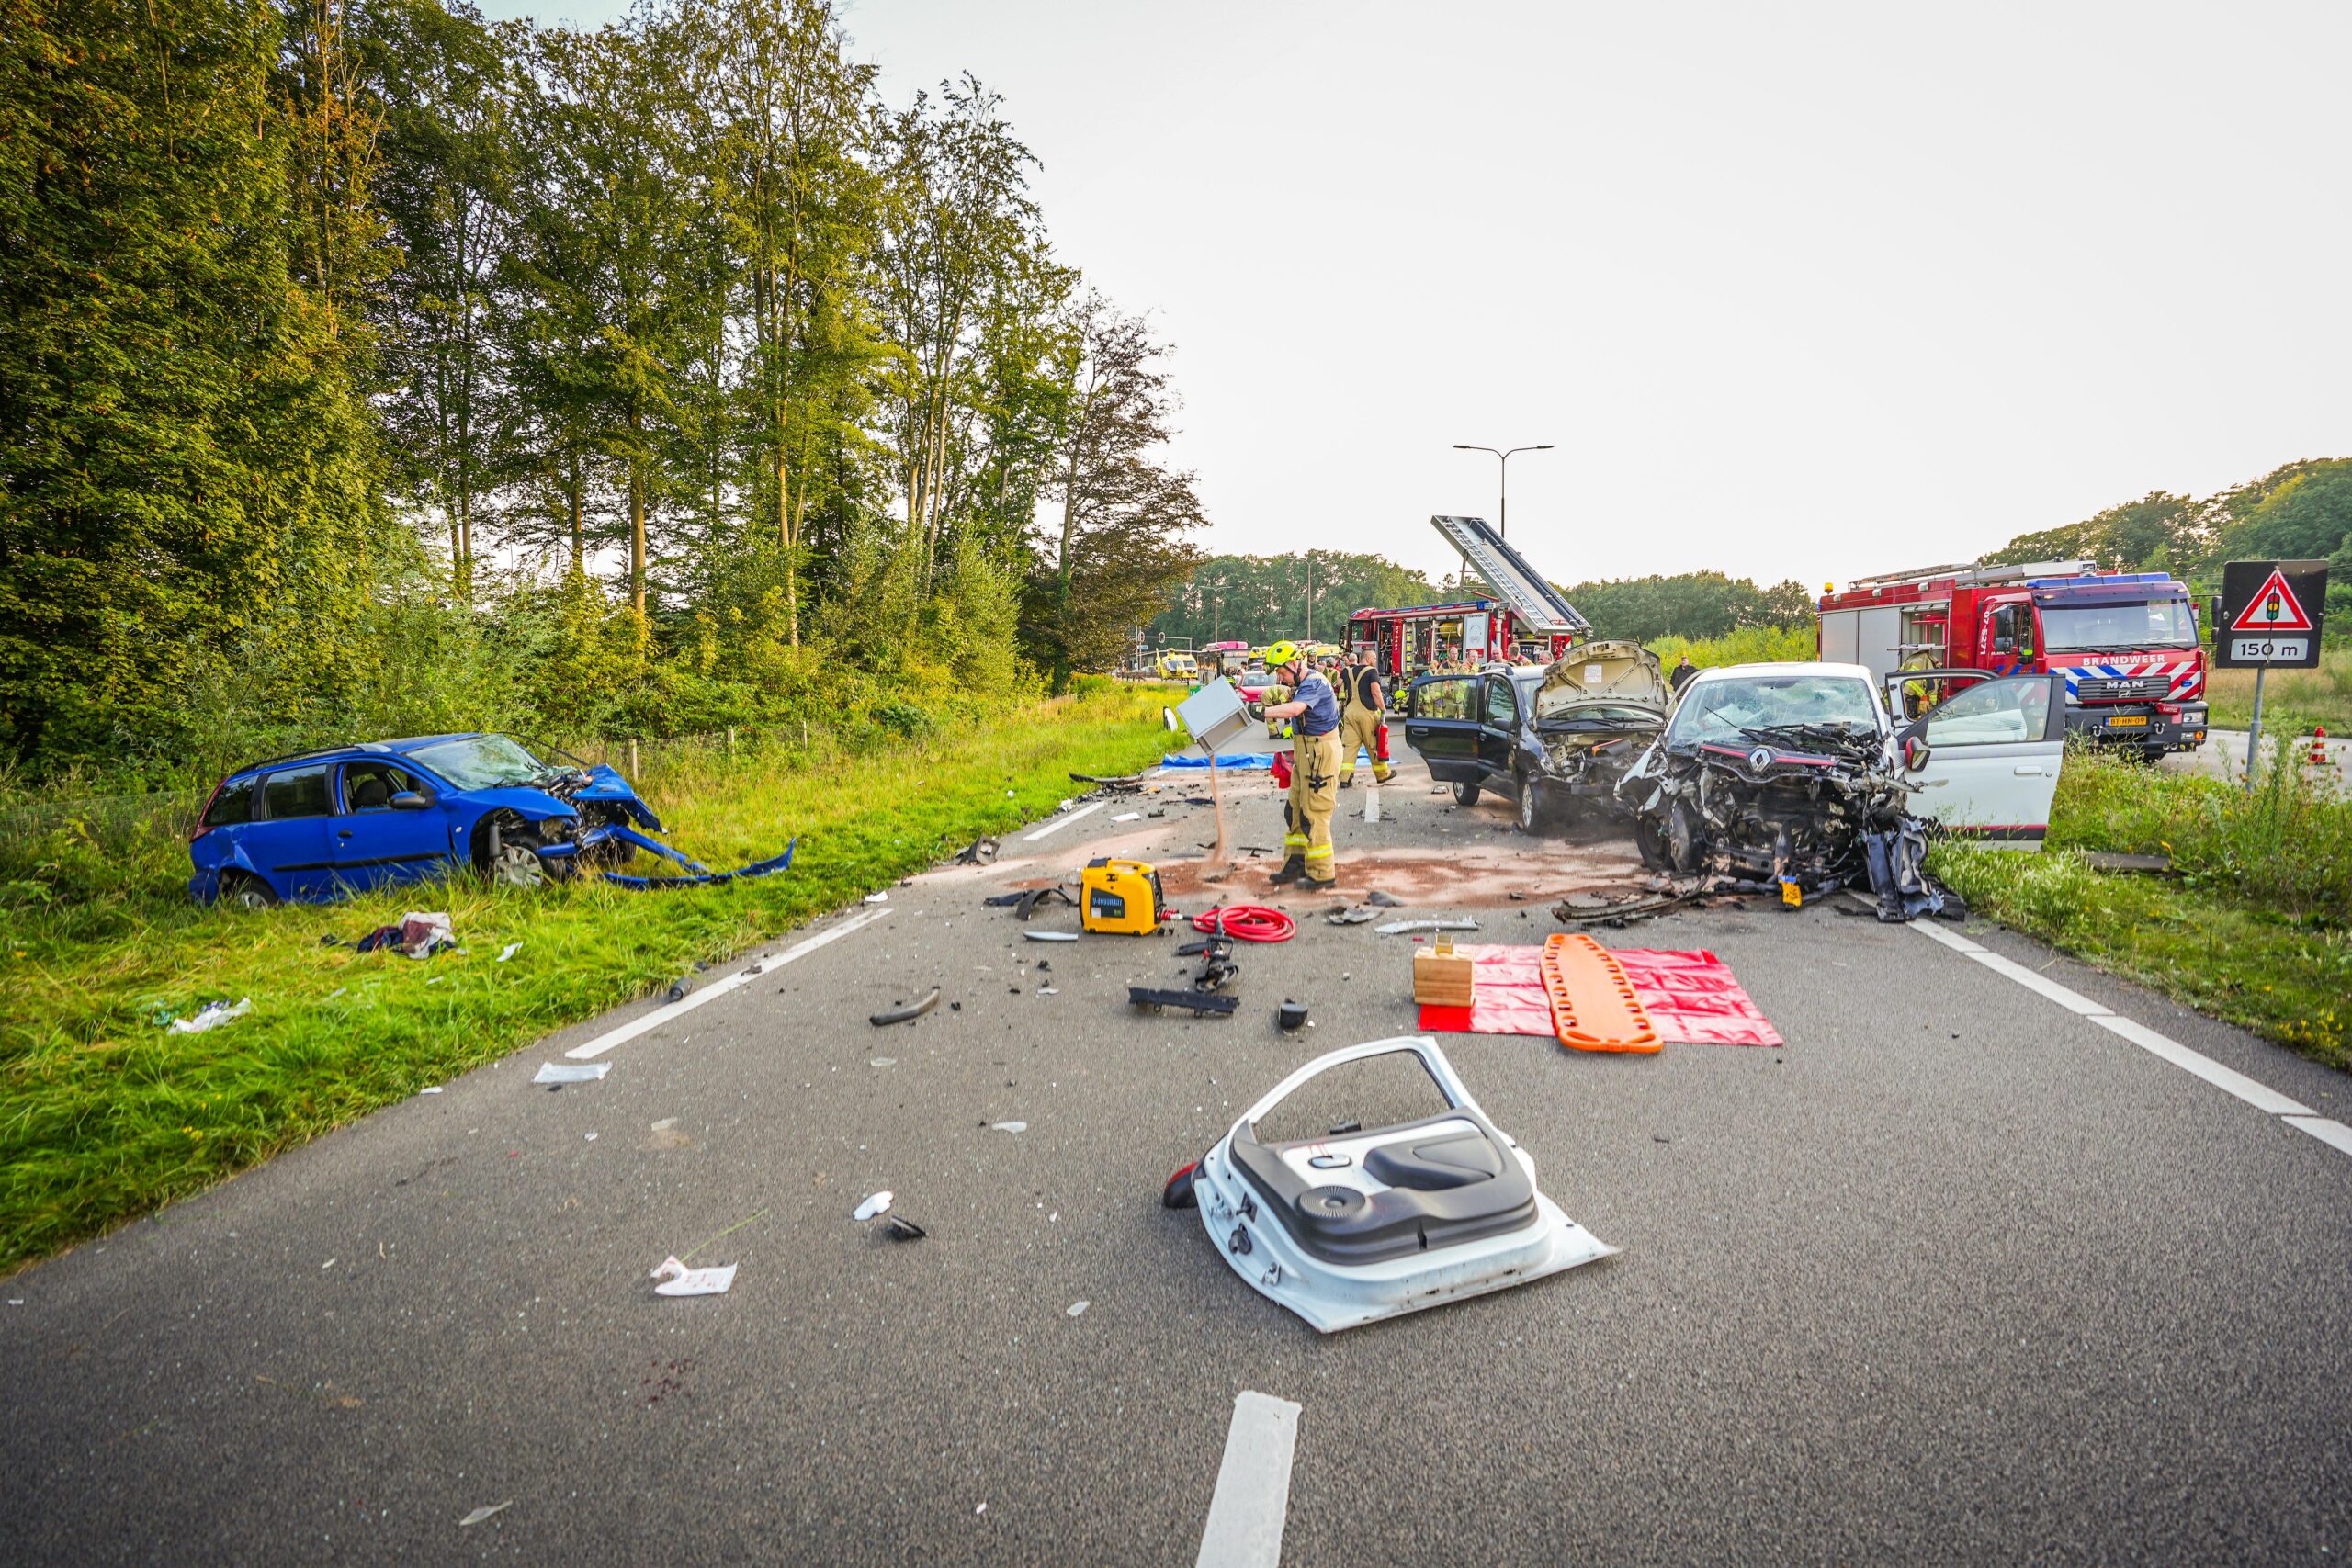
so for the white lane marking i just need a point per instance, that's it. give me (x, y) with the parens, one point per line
(1928, 928)
(1252, 1497)
(2043, 985)
(2229, 1080)
(2335, 1135)
(628, 1032)
(2262, 1097)
(1058, 823)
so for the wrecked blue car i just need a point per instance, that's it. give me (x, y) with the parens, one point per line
(321, 824)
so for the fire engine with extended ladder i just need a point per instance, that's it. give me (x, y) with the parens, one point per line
(1526, 622)
(2125, 643)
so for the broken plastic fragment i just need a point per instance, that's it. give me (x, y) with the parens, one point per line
(213, 1015)
(1077, 1308)
(512, 949)
(677, 1279)
(1128, 817)
(571, 1072)
(1394, 927)
(481, 1514)
(883, 1062)
(878, 1203)
(877, 897)
(1010, 1127)
(1051, 936)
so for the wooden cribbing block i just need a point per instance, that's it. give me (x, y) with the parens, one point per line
(1441, 976)
(1593, 1004)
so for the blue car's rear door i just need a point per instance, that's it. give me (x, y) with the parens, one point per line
(287, 839)
(375, 843)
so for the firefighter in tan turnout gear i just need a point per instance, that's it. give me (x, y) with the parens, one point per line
(1315, 767)
(1363, 709)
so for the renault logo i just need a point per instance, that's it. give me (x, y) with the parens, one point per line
(1759, 758)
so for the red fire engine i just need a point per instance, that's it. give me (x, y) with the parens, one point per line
(2126, 644)
(1527, 622)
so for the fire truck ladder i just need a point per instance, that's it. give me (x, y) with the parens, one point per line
(1532, 602)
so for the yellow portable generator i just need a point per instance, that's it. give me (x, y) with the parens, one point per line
(1119, 896)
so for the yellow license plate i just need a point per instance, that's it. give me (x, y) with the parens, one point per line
(2129, 721)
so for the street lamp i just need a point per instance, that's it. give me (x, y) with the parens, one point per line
(1502, 522)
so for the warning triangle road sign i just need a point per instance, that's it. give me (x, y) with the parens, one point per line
(2273, 608)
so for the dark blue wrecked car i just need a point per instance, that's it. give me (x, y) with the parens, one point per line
(321, 824)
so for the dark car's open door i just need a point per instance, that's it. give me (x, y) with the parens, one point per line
(1443, 716)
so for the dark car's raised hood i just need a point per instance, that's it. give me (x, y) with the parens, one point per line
(1620, 673)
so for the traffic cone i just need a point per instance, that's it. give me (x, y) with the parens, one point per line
(2318, 757)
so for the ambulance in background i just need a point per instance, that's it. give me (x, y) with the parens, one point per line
(2126, 644)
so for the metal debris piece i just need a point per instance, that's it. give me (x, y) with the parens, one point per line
(1386, 900)
(907, 1013)
(1051, 936)
(679, 988)
(1396, 927)
(980, 851)
(898, 1227)
(1359, 915)
(1202, 1004)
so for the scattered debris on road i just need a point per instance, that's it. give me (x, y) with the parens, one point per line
(1076, 1309)
(878, 898)
(1202, 1004)
(571, 1072)
(878, 1203)
(1290, 1015)
(676, 1280)
(900, 1228)
(980, 851)
(1009, 1126)
(907, 1012)
(481, 1514)
(1400, 928)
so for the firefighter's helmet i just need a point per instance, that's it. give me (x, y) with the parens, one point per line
(1282, 653)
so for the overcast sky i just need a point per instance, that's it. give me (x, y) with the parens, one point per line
(1797, 290)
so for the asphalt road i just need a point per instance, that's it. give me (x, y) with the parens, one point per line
(2225, 753)
(1958, 1275)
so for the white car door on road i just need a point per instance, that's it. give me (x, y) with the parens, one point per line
(1994, 753)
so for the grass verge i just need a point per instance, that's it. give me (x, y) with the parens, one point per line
(2252, 926)
(2292, 700)
(104, 1115)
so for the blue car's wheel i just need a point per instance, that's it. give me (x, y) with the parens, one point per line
(239, 891)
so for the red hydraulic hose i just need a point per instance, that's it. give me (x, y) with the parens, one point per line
(1246, 922)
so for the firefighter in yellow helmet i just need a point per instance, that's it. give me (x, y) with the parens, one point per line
(1363, 704)
(1315, 767)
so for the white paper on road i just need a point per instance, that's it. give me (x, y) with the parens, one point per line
(571, 1072)
(680, 1281)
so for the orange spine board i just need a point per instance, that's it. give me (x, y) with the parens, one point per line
(1593, 1004)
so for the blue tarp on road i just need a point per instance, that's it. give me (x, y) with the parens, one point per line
(1223, 759)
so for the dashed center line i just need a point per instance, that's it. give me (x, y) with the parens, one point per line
(2229, 1080)
(1252, 1497)
(628, 1032)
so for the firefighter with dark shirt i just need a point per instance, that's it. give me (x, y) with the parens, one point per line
(1362, 711)
(1315, 767)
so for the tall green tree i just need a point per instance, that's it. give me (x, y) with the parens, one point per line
(444, 80)
(1117, 513)
(187, 459)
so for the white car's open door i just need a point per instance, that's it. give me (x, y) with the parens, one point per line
(1984, 759)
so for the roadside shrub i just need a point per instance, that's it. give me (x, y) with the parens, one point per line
(2288, 845)
(903, 719)
(1748, 645)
